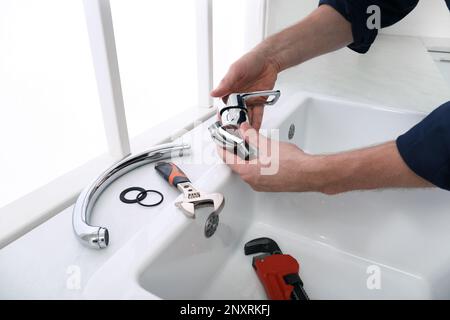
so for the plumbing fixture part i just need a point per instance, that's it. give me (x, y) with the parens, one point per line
(231, 142)
(211, 224)
(98, 237)
(191, 198)
(235, 112)
(141, 195)
(291, 132)
(145, 192)
(277, 272)
(226, 131)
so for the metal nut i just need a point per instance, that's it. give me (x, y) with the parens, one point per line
(291, 133)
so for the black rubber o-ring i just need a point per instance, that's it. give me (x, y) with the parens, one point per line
(141, 196)
(147, 192)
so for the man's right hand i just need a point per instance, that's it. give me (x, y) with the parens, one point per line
(253, 72)
(324, 30)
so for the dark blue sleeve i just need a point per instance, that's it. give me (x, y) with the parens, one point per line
(426, 147)
(355, 11)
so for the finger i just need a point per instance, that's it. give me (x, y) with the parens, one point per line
(252, 136)
(223, 89)
(257, 116)
(231, 160)
(226, 85)
(262, 144)
(250, 115)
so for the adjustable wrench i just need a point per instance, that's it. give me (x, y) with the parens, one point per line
(191, 198)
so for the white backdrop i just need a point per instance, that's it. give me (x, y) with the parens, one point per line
(51, 120)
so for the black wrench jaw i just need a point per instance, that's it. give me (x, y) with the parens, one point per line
(266, 246)
(262, 245)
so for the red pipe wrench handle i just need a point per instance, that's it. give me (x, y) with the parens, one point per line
(271, 271)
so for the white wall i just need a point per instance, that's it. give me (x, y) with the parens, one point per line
(283, 13)
(238, 27)
(431, 18)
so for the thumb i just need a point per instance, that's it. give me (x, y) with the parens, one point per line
(266, 148)
(222, 90)
(228, 83)
(253, 137)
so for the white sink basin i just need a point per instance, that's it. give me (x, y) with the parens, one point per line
(335, 238)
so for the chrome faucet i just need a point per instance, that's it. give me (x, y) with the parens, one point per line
(98, 237)
(226, 131)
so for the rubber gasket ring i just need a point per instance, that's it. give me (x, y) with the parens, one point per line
(141, 195)
(147, 192)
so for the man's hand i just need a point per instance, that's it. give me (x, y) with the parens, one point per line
(252, 72)
(324, 30)
(295, 171)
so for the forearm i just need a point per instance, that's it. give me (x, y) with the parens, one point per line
(323, 31)
(370, 168)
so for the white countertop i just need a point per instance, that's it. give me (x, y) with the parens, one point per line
(398, 72)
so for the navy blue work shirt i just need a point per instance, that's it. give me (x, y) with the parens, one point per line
(426, 147)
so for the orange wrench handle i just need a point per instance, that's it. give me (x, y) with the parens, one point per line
(171, 173)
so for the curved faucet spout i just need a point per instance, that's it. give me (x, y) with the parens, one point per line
(98, 237)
